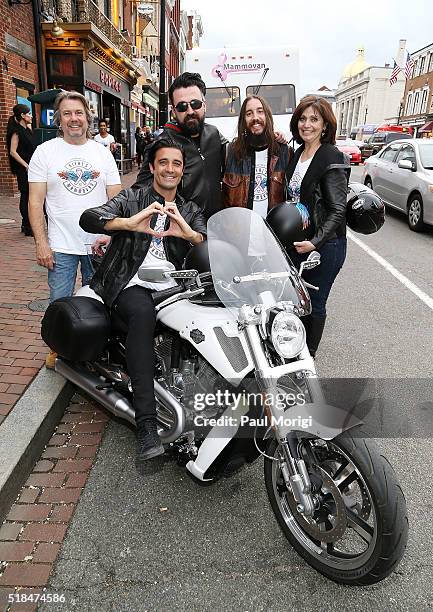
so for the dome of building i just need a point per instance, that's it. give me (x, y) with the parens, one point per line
(358, 65)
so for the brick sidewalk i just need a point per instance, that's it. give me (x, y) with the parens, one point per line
(22, 281)
(33, 532)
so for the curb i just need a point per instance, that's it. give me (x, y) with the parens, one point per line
(27, 430)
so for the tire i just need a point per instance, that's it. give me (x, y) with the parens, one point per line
(368, 183)
(382, 514)
(415, 213)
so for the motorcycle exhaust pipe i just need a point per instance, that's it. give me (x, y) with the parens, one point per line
(172, 414)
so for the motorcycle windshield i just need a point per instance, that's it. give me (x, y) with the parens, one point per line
(241, 245)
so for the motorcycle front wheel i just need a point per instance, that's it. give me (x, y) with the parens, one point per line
(358, 532)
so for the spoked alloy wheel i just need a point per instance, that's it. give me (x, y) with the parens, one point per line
(358, 532)
(415, 213)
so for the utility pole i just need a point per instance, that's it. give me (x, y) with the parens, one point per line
(163, 102)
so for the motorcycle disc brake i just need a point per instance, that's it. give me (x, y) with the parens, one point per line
(331, 514)
(363, 509)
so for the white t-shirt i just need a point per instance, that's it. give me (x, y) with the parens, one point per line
(260, 201)
(106, 141)
(297, 178)
(155, 255)
(76, 177)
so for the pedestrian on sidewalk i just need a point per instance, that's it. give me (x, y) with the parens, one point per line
(21, 146)
(148, 136)
(104, 137)
(69, 173)
(140, 143)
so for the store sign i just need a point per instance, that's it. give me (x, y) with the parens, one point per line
(93, 86)
(100, 79)
(145, 9)
(109, 81)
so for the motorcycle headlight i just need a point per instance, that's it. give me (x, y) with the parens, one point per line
(287, 335)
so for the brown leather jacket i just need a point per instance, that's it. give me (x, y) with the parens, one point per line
(239, 178)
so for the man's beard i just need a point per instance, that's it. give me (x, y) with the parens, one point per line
(193, 129)
(256, 140)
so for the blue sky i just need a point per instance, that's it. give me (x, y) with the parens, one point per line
(326, 33)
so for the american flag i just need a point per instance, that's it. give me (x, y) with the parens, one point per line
(394, 73)
(408, 66)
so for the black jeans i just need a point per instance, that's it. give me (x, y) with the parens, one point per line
(23, 186)
(332, 256)
(135, 307)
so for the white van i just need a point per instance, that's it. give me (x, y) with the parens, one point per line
(232, 73)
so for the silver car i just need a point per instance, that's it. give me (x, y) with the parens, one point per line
(402, 175)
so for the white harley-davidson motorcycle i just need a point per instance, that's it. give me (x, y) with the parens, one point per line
(234, 381)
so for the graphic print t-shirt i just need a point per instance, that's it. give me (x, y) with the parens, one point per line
(109, 138)
(155, 256)
(260, 202)
(297, 178)
(76, 177)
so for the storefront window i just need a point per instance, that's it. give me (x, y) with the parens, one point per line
(124, 130)
(93, 99)
(65, 70)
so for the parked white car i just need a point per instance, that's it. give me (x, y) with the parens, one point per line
(402, 175)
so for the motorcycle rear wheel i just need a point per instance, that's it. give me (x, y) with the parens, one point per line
(359, 533)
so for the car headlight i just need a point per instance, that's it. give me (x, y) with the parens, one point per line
(287, 335)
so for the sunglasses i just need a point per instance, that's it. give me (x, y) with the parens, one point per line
(182, 107)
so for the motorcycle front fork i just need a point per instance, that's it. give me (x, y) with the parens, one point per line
(292, 465)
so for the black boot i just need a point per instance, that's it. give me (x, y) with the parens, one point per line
(315, 329)
(148, 441)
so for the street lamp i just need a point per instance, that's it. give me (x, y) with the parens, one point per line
(163, 102)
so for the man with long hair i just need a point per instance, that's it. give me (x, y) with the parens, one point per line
(69, 174)
(256, 163)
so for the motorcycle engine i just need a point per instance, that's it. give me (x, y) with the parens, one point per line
(193, 379)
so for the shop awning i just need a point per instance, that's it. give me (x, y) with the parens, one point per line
(150, 100)
(427, 127)
(139, 107)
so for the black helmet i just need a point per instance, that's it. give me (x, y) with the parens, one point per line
(365, 210)
(290, 223)
(197, 257)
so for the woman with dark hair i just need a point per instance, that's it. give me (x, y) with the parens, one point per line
(317, 180)
(21, 147)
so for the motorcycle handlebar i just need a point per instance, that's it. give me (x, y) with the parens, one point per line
(160, 296)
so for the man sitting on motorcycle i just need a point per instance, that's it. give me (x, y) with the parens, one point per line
(150, 224)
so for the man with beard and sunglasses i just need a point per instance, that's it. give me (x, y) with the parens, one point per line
(204, 145)
(256, 162)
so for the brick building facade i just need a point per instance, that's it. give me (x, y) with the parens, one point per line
(417, 105)
(18, 74)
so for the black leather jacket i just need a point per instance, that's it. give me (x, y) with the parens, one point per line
(324, 191)
(127, 250)
(204, 166)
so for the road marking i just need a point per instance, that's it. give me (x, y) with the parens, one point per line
(428, 301)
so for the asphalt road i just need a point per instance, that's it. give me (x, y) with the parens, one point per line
(154, 540)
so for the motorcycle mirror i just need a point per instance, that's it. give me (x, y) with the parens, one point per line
(155, 274)
(311, 262)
